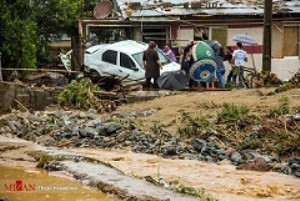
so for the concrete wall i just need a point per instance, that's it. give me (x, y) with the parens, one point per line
(31, 98)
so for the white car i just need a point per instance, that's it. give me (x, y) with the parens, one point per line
(122, 59)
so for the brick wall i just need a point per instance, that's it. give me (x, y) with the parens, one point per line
(31, 98)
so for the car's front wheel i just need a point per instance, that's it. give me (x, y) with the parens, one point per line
(94, 76)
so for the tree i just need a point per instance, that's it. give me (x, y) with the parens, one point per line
(18, 35)
(56, 16)
(27, 25)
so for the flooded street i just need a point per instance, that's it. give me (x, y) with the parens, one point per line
(242, 186)
(34, 184)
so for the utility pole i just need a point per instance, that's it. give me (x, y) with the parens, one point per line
(267, 54)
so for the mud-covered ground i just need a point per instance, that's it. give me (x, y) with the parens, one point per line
(220, 178)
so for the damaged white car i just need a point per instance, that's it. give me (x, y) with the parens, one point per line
(123, 59)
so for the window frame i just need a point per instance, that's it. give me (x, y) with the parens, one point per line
(116, 57)
(131, 61)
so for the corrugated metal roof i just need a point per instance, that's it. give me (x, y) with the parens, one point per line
(154, 8)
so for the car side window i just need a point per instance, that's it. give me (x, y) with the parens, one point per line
(110, 56)
(126, 61)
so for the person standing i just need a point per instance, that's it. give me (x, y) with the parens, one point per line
(169, 53)
(187, 60)
(152, 65)
(221, 68)
(228, 57)
(239, 57)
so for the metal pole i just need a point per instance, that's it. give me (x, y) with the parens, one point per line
(1, 78)
(267, 54)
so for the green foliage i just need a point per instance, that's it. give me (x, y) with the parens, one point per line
(232, 112)
(19, 40)
(27, 25)
(79, 94)
(56, 16)
(283, 87)
(283, 108)
(191, 126)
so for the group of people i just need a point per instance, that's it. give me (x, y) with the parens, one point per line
(236, 59)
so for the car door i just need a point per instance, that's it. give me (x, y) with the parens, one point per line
(109, 63)
(129, 67)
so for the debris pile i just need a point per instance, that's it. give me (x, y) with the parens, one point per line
(79, 129)
(266, 79)
(295, 80)
(293, 167)
(120, 130)
(84, 94)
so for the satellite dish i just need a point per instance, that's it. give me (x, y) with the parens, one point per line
(102, 9)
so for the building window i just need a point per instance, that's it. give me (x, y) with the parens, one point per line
(285, 41)
(291, 38)
(110, 56)
(219, 34)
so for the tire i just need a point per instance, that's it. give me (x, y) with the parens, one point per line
(94, 76)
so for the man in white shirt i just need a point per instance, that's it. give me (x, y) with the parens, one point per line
(239, 57)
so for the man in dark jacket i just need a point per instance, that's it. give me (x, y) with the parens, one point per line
(152, 65)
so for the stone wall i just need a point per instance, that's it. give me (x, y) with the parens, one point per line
(31, 97)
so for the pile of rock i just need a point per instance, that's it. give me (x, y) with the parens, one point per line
(292, 167)
(87, 129)
(79, 129)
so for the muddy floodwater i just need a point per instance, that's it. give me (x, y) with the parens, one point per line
(31, 184)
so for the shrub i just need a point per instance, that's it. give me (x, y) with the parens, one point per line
(190, 126)
(232, 112)
(283, 108)
(79, 94)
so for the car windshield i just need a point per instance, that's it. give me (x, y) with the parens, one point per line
(139, 58)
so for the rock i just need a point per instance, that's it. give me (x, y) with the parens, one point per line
(92, 111)
(256, 154)
(188, 156)
(170, 151)
(297, 117)
(77, 144)
(294, 165)
(106, 139)
(121, 137)
(128, 143)
(109, 128)
(236, 158)
(90, 131)
(199, 145)
(12, 125)
(68, 135)
(209, 159)
(259, 164)
(221, 154)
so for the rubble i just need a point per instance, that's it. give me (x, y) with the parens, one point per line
(292, 167)
(119, 130)
(266, 79)
(295, 80)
